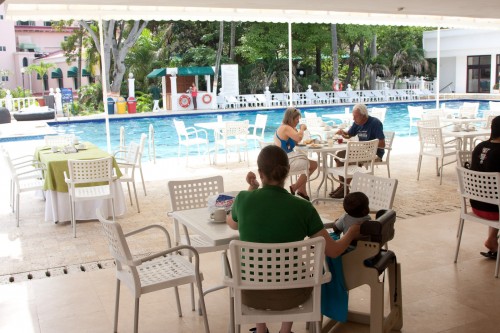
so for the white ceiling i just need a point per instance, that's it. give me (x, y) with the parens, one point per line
(444, 13)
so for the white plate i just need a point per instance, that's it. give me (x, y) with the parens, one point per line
(213, 221)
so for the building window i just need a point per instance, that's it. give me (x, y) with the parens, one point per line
(498, 69)
(31, 23)
(478, 74)
(5, 78)
(1, 17)
(3, 48)
(47, 23)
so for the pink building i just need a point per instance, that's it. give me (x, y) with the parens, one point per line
(25, 42)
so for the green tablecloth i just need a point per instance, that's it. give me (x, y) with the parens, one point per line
(57, 164)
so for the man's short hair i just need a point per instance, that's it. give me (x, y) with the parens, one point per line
(495, 128)
(361, 108)
(356, 204)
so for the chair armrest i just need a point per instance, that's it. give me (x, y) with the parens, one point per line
(227, 274)
(195, 131)
(152, 226)
(119, 151)
(37, 170)
(171, 251)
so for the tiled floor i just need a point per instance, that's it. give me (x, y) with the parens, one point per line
(438, 295)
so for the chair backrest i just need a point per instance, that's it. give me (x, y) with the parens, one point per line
(494, 106)
(122, 137)
(489, 120)
(361, 151)
(430, 137)
(59, 140)
(381, 230)
(117, 245)
(260, 122)
(287, 265)
(467, 112)
(464, 156)
(312, 121)
(132, 153)
(430, 114)
(235, 129)
(380, 191)
(310, 114)
(433, 122)
(142, 144)
(151, 143)
(479, 186)
(180, 128)
(389, 139)
(91, 171)
(378, 113)
(415, 111)
(472, 105)
(193, 193)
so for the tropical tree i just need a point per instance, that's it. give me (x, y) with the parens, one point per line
(119, 37)
(410, 60)
(41, 68)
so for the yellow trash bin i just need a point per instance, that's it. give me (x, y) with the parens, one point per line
(121, 105)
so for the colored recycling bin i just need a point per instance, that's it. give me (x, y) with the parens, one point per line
(121, 105)
(111, 105)
(132, 104)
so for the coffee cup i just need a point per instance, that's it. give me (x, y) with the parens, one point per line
(54, 149)
(218, 215)
(330, 142)
(81, 146)
(456, 127)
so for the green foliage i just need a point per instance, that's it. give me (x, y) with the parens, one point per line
(144, 102)
(91, 97)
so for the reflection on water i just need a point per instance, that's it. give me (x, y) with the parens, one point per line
(396, 119)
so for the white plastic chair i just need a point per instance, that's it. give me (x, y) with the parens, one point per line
(305, 267)
(479, 186)
(232, 135)
(415, 113)
(260, 124)
(82, 178)
(251, 100)
(469, 109)
(157, 271)
(59, 140)
(378, 113)
(358, 153)
(142, 144)
(127, 166)
(432, 144)
(380, 191)
(25, 177)
(191, 194)
(151, 144)
(389, 139)
(494, 106)
(189, 136)
(464, 157)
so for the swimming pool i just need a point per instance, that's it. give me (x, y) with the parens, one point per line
(396, 120)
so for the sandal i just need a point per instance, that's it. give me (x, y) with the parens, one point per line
(489, 254)
(254, 329)
(305, 196)
(291, 190)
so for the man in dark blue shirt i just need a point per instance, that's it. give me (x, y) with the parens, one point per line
(366, 128)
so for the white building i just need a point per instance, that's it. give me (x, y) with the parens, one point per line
(470, 59)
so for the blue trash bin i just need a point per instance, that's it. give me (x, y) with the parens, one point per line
(111, 105)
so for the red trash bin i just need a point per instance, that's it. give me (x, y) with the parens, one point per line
(132, 104)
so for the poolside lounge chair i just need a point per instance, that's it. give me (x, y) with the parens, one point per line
(378, 113)
(233, 102)
(379, 94)
(262, 99)
(279, 99)
(252, 101)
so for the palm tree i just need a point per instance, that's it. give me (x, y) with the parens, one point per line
(41, 69)
(409, 60)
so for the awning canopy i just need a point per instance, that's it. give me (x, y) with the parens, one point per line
(85, 72)
(158, 72)
(192, 71)
(444, 13)
(56, 74)
(73, 71)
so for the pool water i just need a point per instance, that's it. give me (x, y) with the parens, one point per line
(166, 143)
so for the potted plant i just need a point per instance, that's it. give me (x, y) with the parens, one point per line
(496, 88)
(41, 69)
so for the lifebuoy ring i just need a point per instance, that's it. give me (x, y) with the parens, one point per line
(184, 101)
(207, 98)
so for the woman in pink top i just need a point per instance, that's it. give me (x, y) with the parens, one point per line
(194, 93)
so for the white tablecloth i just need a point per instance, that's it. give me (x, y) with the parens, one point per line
(57, 207)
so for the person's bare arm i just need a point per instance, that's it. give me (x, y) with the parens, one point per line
(296, 136)
(335, 248)
(230, 222)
